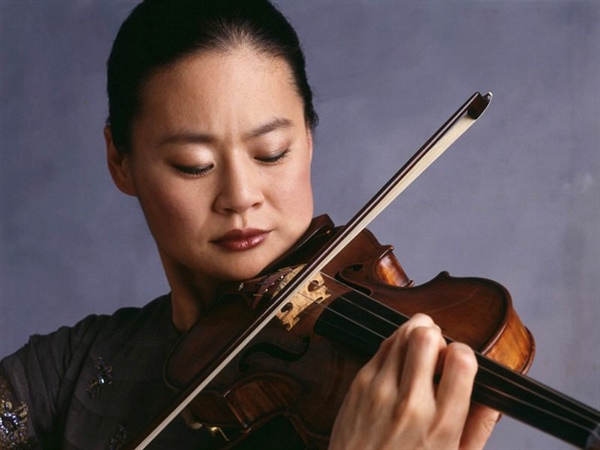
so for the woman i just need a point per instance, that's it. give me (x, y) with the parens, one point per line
(210, 128)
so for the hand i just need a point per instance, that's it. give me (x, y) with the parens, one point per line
(393, 403)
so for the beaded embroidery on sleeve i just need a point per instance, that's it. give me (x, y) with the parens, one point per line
(13, 420)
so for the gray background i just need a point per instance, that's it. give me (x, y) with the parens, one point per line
(515, 200)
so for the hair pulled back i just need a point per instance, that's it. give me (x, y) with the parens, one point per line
(161, 32)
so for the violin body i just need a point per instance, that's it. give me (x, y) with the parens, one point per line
(302, 364)
(258, 356)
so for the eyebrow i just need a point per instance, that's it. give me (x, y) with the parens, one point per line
(205, 138)
(275, 124)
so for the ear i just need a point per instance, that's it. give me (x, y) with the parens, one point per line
(119, 165)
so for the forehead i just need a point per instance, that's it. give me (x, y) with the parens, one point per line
(212, 88)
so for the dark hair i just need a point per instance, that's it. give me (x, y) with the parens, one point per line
(160, 32)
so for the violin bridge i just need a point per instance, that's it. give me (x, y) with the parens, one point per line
(313, 292)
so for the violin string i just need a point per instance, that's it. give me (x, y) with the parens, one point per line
(483, 368)
(483, 358)
(404, 317)
(515, 400)
(544, 412)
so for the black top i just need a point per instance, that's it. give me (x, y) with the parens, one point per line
(99, 383)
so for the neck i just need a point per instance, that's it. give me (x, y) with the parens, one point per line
(191, 296)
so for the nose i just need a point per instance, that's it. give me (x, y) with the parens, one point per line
(239, 189)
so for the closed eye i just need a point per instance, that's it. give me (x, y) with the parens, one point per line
(195, 171)
(274, 158)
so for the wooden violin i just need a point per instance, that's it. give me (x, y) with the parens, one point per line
(289, 343)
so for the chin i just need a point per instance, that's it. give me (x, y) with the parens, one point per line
(243, 272)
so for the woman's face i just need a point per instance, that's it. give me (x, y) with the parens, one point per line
(221, 163)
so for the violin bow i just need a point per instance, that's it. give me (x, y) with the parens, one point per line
(437, 144)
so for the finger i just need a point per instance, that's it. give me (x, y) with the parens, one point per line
(378, 381)
(395, 343)
(424, 348)
(480, 423)
(374, 389)
(455, 388)
(364, 382)
(373, 366)
(398, 342)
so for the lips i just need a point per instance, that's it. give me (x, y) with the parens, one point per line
(241, 240)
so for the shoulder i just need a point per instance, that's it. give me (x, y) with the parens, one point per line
(68, 341)
(52, 355)
(46, 373)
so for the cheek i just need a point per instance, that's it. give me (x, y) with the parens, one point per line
(168, 208)
(306, 188)
(298, 192)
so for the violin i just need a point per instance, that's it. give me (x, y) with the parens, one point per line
(290, 342)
